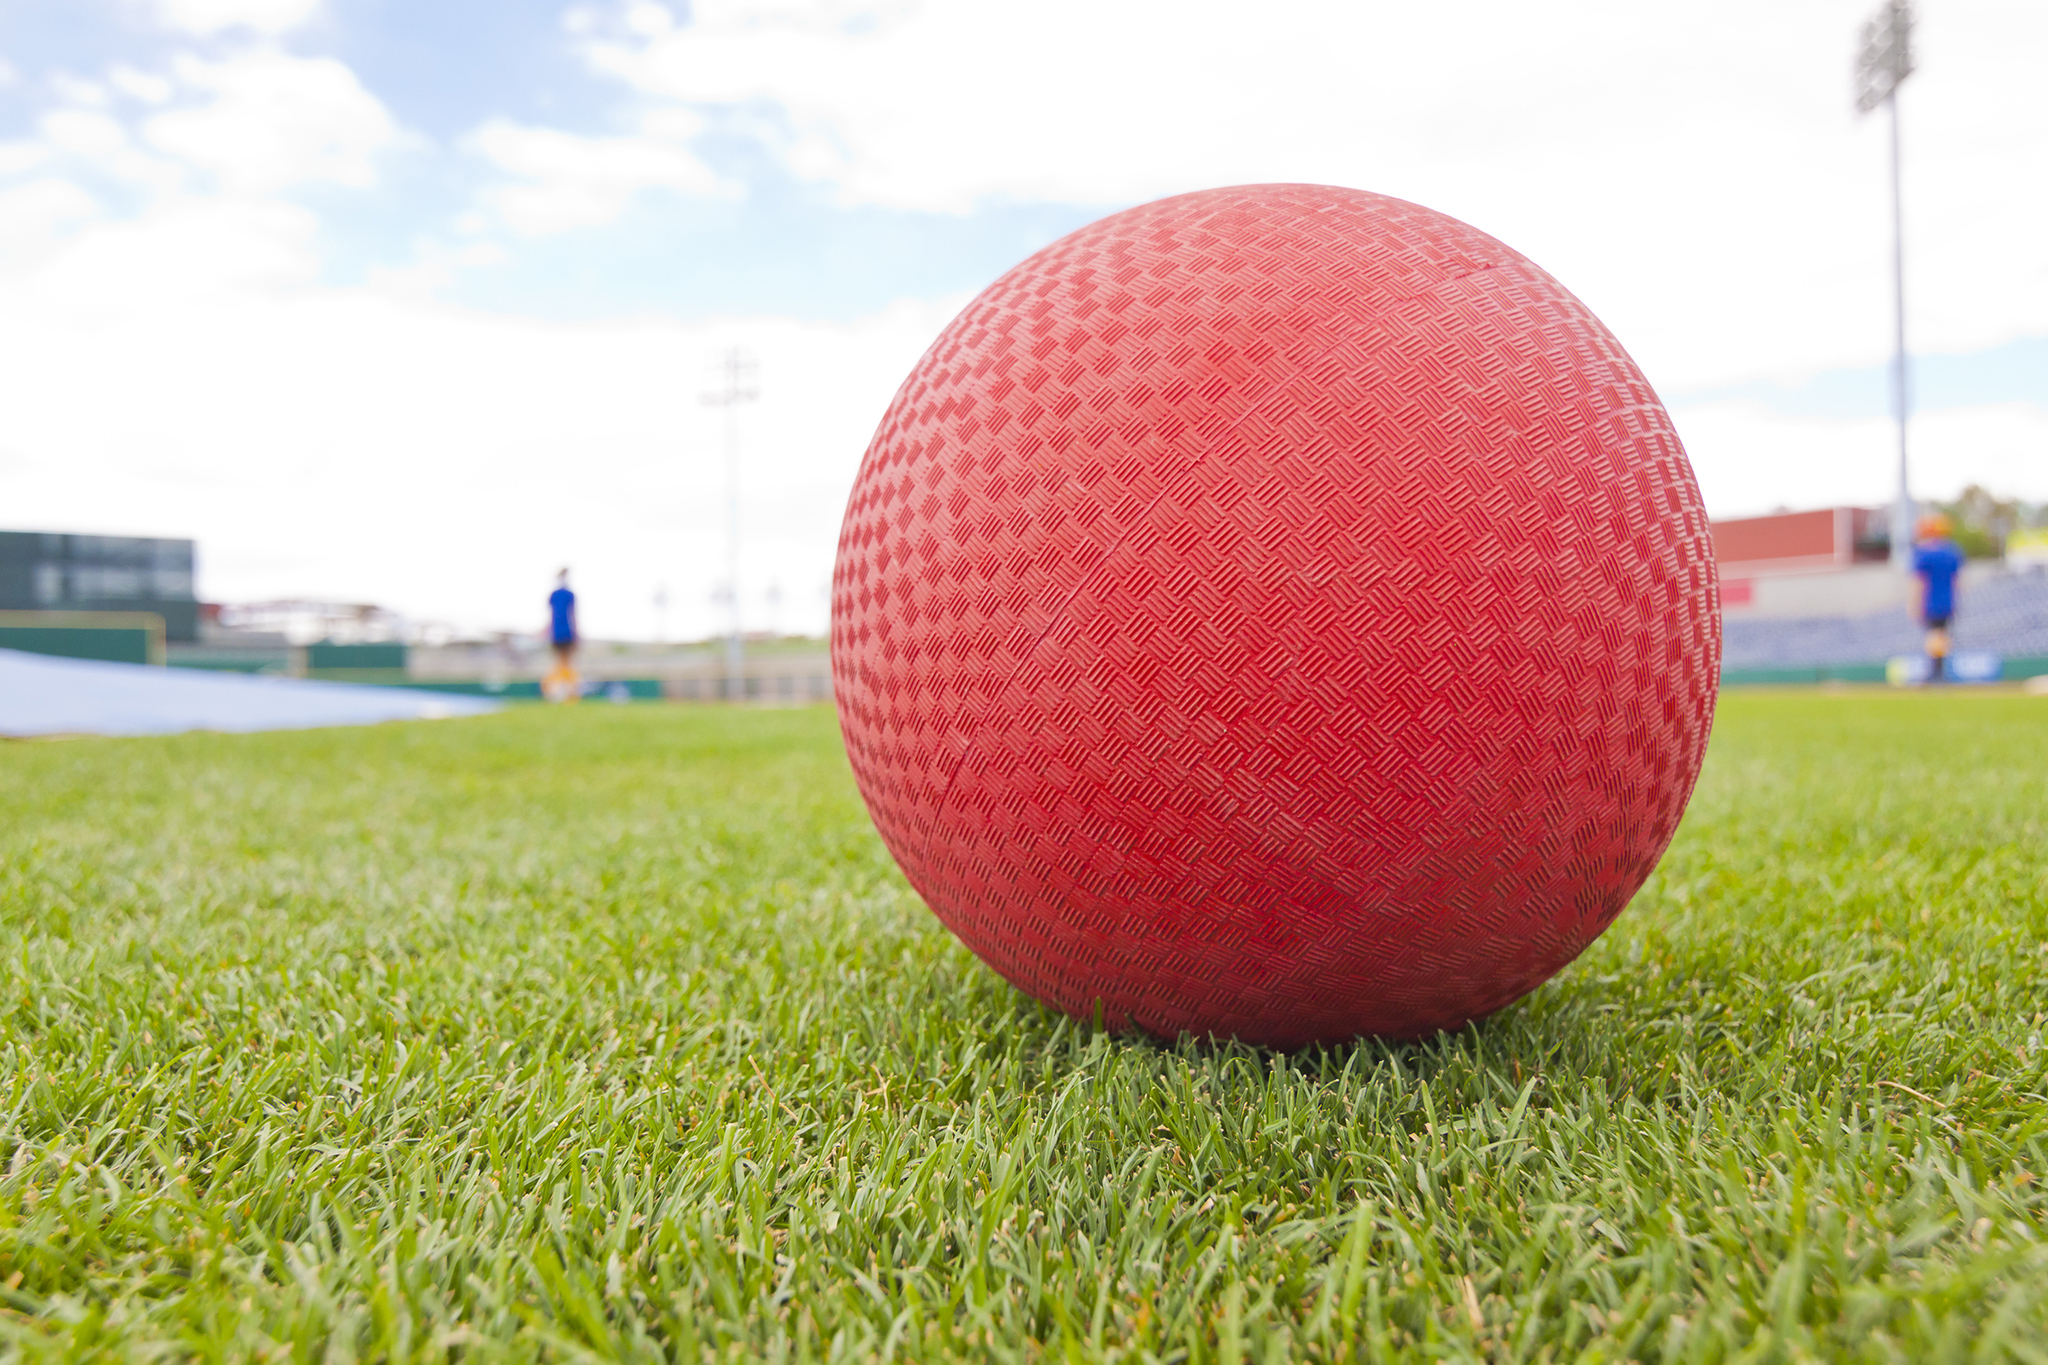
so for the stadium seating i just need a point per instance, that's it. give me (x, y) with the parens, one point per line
(2006, 614)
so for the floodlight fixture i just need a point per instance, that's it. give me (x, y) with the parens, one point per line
(1885, 57)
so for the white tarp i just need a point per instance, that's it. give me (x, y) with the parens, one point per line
(40, 695)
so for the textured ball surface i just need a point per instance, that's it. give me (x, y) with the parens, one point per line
(1281, 612)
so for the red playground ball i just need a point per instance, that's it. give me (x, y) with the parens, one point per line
(1278, 612)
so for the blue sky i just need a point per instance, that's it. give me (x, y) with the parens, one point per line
(273, 272)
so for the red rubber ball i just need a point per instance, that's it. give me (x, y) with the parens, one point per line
(1279, 612)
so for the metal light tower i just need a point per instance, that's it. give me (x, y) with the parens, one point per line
(1883, 62)
(736, 370)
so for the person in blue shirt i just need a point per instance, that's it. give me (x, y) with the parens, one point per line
(562, 624)
(1937, 561)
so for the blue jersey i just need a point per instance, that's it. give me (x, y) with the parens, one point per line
(562, 608)
(1938, 562)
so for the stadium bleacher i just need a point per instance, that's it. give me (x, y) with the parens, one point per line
(2006, 614)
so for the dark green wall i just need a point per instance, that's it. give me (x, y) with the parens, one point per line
(328, 655)
(2014, 670)
(111, 644)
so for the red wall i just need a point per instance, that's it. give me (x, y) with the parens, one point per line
(1788, 535)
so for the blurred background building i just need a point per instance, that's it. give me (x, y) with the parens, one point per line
(133, 600)
(1807, 596)
(51, 571)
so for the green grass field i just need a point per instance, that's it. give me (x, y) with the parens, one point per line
(613, 1032)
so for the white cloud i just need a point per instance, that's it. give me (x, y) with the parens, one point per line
(267, 121)
(186, 375)
(139, 85)
(275, 121)
(649, 20)
(1693, 171)
(212, 16)
(21, 155)
(574, 182)
(93, 136)
(824, 16)
(433, 268)
(100, 141)
(1749, 459)
(183, 257)
(72, 90)
(36, 215)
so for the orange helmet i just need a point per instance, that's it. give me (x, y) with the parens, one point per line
(1932, 525)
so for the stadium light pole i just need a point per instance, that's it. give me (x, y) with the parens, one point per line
(1883, 61)
(736, 370)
